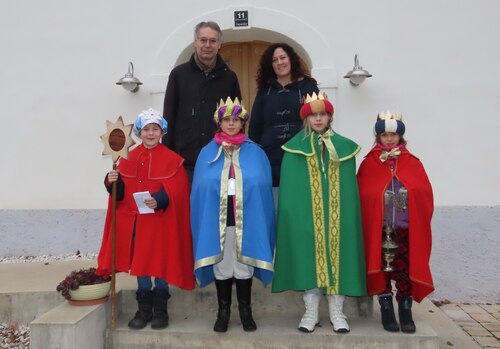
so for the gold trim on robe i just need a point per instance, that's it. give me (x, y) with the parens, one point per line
(223, 201)
(334, 225)
(318, 221)
(238, 217)
(324, 279)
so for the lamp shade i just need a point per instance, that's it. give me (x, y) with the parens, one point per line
(129, 82)
(357, 75)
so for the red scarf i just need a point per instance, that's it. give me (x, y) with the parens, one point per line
(391, 153)
(225, 139)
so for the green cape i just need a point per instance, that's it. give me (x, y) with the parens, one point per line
(319, 239)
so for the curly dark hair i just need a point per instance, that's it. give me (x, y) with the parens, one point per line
(266, 72)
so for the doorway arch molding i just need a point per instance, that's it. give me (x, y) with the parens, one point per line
(264, 24)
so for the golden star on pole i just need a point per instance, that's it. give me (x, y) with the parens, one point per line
(117, 140)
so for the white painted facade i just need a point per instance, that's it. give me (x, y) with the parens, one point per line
(434, 61)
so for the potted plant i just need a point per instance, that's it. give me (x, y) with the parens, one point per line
(85, 287)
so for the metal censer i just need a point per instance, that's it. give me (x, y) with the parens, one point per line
(389, 249)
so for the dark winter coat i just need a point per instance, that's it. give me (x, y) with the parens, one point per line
(275, 118)
(190, 102)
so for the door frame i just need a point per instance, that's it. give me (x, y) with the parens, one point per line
(264, 24)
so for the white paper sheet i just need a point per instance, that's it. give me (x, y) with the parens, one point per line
(139, 198)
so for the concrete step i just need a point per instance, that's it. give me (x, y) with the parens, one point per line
(275, 330)
(72, 327)
(204, 300)
(192, 315)
(28, 291)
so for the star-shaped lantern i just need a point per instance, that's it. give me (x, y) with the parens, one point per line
(117, 140)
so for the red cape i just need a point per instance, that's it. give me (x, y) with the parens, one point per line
(373, 178)
(162, 246)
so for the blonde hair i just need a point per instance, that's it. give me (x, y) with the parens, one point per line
(306, 125)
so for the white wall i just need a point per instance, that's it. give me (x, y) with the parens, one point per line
(433, 60)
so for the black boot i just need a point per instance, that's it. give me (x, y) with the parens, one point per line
(224, 290)
(244, 293)
(405, 317)
(160, 313)
(145, 312)
(387, 311)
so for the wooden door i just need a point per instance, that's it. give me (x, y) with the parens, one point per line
(243, 58)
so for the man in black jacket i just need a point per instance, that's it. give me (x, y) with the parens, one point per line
(193, 91)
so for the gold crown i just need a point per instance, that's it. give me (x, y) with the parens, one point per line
(230, 104)
(314, 97)
(388, 115)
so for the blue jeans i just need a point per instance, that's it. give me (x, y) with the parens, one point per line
(144, 284)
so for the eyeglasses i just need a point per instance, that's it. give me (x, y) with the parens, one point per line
(210, 42)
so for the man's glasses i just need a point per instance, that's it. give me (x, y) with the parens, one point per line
(210, 42)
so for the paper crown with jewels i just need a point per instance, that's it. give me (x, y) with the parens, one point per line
(389, 122)
(315, 103)
(149, 116)
(230, 108)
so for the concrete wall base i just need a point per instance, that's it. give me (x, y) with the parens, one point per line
(465, 241)
(25, 307)
(71, 327)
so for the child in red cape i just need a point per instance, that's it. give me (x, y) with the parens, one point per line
(156, 244)
(396, 195)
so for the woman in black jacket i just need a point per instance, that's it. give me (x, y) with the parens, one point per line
(281, 85)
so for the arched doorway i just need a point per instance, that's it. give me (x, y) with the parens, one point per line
(267, 25)
(243, 58)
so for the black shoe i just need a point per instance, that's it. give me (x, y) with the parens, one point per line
(224, 290)
(160, 313)
(244, 292)
(387, 311)
(405, 316)
(145, 312)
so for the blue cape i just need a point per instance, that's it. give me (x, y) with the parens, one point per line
(254, 221)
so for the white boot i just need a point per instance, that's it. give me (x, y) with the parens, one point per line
(311, 317)
(337, 317)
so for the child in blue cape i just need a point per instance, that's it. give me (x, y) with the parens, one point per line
(232, 215)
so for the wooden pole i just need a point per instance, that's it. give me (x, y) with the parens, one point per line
(113, 252)
(117, 141)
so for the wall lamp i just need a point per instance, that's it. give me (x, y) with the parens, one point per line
(129, 82)
(357, 75)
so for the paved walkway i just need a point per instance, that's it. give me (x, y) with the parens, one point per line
(480, 321)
